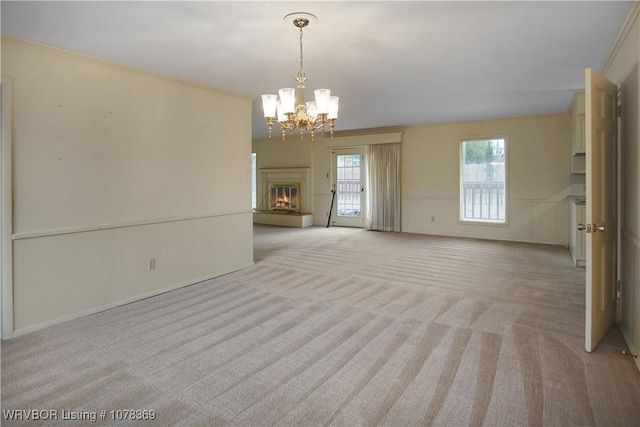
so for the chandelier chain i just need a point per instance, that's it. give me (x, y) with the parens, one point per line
(301, 72)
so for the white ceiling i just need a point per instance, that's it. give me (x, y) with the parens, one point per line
(392, 63)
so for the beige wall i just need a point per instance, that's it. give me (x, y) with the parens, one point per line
(624, 70)
(538, 179)
(276, 153)
(539, 176)
(113, 167)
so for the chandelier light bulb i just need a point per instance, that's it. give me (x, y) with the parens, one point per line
(322, 100)
(288, 99)
(269, 105)
(282, 117)
(333, 108)
(312, 110)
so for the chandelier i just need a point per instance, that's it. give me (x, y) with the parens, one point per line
(291, 114)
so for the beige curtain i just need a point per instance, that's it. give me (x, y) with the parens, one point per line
(383, 187)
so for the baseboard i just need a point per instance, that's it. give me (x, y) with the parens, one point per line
(498, 239)
(629, 341)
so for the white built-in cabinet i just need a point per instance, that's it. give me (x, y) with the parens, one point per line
(578, 239)
(576, 112)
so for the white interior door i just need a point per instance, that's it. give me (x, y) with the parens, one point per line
(601, 227)
(348, 183)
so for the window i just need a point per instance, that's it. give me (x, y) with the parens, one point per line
(348, 185)
(483, 183)
(254, 191)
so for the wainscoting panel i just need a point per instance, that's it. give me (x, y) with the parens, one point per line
(630, 321)
(65, 276)
(537, 221)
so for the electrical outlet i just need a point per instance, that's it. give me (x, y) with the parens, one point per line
(152, 264)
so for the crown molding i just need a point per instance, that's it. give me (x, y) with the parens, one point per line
(622, 34)
(48, 49)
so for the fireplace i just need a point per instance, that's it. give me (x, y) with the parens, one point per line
(284, 190)
(284, 197)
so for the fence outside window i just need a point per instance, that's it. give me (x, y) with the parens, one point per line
(483, 180)
(484, 201)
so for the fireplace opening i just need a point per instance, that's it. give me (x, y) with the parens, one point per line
(284, 197)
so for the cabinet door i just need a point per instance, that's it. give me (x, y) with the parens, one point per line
(573, 232)
(580, 146)
(578, 239)
(581, 238)
(578, 164)
(577, 135)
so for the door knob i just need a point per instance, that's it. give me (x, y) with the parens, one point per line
(583, 227)
(591, 228)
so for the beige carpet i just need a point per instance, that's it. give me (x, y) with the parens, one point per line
(342, 327)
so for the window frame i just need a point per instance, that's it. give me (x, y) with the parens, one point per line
(481, 221)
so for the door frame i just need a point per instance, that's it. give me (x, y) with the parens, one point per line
(619, 206)
(6, 210)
